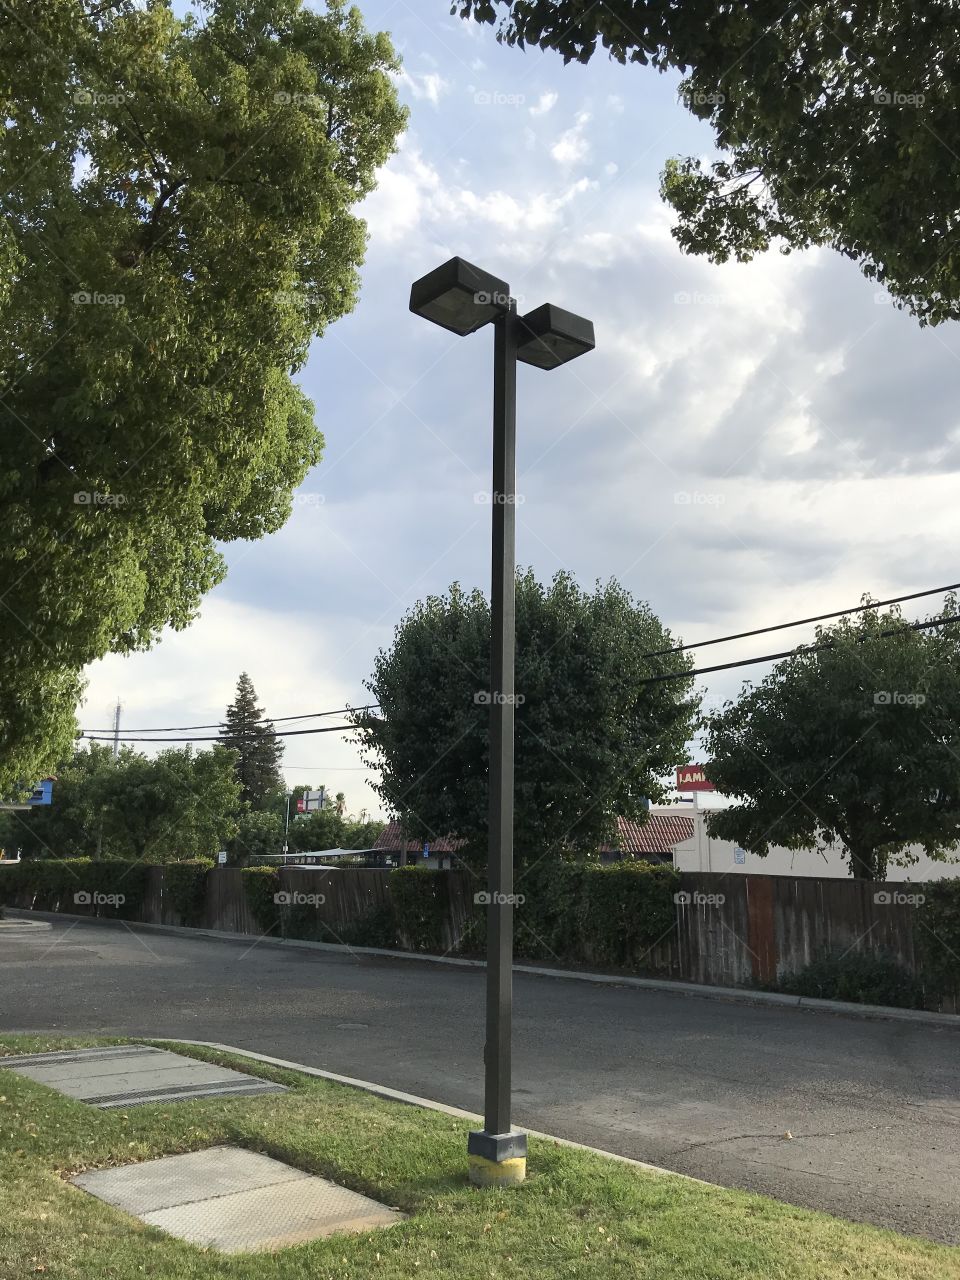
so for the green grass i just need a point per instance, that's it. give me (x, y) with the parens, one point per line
(577, 1215)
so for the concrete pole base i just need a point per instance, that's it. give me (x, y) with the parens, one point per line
(496, 1173)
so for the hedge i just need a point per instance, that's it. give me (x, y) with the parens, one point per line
(579, 913)
(82, 886)
(185, 889)
(937, 936)
(260, 887)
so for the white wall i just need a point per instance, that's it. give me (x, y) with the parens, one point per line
(703, 853)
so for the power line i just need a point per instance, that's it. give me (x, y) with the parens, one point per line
(283, 733)
(182, 728)
(667, 675)
(788, 653)
(660, 653)
(820, 617)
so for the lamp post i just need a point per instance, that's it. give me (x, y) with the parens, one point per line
(460, 297)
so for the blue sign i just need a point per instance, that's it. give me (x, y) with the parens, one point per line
(42, 793)
(426, 849)
(739, 856)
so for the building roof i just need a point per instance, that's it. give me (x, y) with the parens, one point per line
(658, 834)
(388, 841)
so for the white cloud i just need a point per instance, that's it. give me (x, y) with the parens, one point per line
(190, 677)
(411, 192)
(429, 85)
(572, 146)
(546, 102)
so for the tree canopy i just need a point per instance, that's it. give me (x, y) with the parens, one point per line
(256, 747)
(594, 734)
(176, 228)
(856, 743)
(835, 124)
(174, 806)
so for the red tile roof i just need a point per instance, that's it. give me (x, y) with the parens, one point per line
(658, 834)
(389, 841)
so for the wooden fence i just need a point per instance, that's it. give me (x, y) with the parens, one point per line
(729, 930)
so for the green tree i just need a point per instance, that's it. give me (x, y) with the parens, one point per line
(177, 805)
(258, 832)
(177, 226)
(858, 742)
(594, 734)
(834, 122)
(71, 826)
(257, 748)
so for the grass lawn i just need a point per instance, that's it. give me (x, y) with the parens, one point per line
(577, 1215)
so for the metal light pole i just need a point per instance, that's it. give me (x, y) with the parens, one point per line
(462, 298)
(497, 1053)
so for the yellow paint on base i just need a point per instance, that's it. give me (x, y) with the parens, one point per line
(496, 1173)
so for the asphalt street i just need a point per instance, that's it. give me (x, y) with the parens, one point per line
(701, 1086)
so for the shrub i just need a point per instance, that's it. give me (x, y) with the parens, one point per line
(579, 913)
(937, 936)
(860, 977)
(185, 889)
(421, 903)
(53, 884)
(260, 886)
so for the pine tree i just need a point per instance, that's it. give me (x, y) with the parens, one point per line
(254, 740)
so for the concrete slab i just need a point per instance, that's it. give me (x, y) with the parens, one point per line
(178, 1180)
(121, 1077)
(236, 1201)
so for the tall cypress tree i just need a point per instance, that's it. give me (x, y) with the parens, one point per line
(254, 739)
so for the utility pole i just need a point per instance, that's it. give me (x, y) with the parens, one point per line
(116, 729)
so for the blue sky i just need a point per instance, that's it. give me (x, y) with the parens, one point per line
(747, 444)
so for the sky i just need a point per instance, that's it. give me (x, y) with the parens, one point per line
(747, 444)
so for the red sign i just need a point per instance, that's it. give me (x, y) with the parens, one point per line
(691, 777)
(301, 805)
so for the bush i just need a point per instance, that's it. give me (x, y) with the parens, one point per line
(859, 977)
(575, 912)
(54, 884)
(260, 886)
(421, 904)
(937, 936)
(185, 889)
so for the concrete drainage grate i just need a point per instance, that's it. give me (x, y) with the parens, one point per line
(131, 1075)
(236, 1201)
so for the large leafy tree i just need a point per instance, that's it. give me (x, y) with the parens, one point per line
(835, 123)
(594, 733)
(256, 747)
(176, 227)
(857, 742)
(176, 805)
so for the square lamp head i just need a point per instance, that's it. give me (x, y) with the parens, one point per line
(459, 296)
(550, 336)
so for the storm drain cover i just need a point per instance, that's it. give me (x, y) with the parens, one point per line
(236, 1201)
(126, 1075)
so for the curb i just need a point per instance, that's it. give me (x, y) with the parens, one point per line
(732, 995)
(411, 1099)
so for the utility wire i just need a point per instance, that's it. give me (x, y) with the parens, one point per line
(820, 617)
(787, 653)
(282, 733)
(181, 728)
(660, 653)
(667, 675)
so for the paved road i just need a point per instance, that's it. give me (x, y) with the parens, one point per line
(697, 1085)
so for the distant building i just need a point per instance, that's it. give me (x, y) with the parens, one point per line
(699, 851)
(650, 841)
